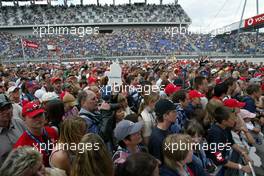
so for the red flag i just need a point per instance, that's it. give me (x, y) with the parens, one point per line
(30, 44)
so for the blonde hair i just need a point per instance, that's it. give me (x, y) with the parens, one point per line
(121, 98)
(210, 108)
(94, 162)
(72, 130)
(153, 96)
(171, 157)
(20, 161)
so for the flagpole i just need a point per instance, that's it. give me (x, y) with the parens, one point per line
(23, 51)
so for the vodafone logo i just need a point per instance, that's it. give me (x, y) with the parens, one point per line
(250, 21)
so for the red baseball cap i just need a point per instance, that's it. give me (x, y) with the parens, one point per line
(243, 78)
(195, 94)
(258, 75)
(91, 80)
(233, 103)
(54, 79)
(171, 88)
(31, 109)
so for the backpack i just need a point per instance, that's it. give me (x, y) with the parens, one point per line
(104, 121)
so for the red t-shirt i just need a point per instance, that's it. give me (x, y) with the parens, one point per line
(45, 149)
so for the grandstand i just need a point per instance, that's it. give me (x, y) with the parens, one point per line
(128, 30)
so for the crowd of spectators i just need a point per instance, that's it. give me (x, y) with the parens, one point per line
(127, 42)
(90, 14)
(169, 118)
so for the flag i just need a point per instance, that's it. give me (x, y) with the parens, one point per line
(29, 44)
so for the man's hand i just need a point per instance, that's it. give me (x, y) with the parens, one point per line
(244, 129)
(247, 158)
(261, 121)
(256, 130)
(105, 106)
(246, 169)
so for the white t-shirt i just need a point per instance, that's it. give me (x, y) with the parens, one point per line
(17, 111)
(149, 122)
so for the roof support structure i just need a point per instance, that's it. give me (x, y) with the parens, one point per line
(257, 34)
(240, 25)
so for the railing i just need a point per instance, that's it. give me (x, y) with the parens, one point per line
(231, 57)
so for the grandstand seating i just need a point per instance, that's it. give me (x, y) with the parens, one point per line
(92, 14)
(128, 42)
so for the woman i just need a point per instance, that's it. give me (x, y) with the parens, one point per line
(72, 131)
(175, 161)
(26, 161)
(147, 115)
(121, 99)
(94, 160)
(54, 113)
(70, 106)
(142, 164)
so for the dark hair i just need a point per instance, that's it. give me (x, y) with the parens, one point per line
(122, 143)
(179, 96)
(130, 79)
(55, 112)
(164, 83)
(142, 164)
(220, 89)
(221, 113)
(198, 81)
(229, 81)
(252, 88)
(194, 127)
(81, 97)
(132, 117)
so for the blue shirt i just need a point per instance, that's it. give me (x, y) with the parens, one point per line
(250, 104)
(180, 120)
(91, 126)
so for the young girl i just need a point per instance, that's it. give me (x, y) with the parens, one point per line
(147, 115)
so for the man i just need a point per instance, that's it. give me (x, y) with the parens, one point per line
(234, 105)
(99, 120)
(13, 93)
(56, 82)
(195, 102)
(37, 135)
(220, 136)
(166, 115)
(10, 128)
(2, 88)
(220, 91)
(181, 100)
(254, 93)
(129, 137)
(201, 85)
(89, 109)
(163, 76)
(231, 87)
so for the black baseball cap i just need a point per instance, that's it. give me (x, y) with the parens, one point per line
(4, 101)
(163, 106)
